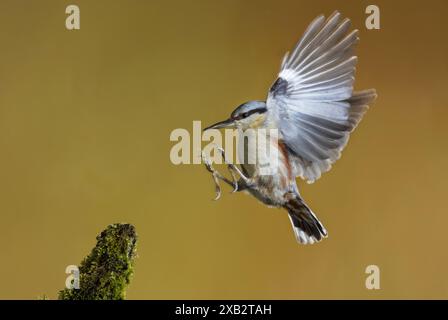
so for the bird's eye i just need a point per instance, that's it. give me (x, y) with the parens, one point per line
(242, 116)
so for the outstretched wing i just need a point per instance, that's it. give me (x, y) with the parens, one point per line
(312, 101)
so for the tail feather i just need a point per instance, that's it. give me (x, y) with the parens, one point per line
(307, 228)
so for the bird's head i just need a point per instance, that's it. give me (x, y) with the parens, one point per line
(248, 115)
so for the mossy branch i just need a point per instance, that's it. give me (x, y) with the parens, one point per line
(106, 272)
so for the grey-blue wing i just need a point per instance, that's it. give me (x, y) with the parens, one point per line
(312, 101)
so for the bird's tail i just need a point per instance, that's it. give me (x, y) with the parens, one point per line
(307, 228)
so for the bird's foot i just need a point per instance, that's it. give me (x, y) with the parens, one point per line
(234, 170)
(218, 176)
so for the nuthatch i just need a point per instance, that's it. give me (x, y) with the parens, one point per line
(314, 108)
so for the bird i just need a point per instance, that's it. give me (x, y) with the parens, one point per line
(314, 108)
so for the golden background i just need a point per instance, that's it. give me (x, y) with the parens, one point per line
(85, 119)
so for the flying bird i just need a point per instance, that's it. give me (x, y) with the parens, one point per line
(314, 108)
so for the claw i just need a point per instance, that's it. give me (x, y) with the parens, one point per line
(214, 173)
(223, 153)
(217, 187)
(207, 163)
(235, 181)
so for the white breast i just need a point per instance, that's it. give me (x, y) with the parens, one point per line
(259, 154)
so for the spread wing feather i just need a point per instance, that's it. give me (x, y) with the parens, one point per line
(312, 101)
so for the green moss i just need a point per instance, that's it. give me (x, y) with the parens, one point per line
(106, 272)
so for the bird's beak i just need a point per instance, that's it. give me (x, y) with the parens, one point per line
(222, 124)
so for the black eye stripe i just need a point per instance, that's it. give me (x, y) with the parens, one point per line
(249, 113)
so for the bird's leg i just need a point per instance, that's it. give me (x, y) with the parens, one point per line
(218, 176)
(235, 171)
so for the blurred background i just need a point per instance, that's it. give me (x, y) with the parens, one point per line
(85, 120)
